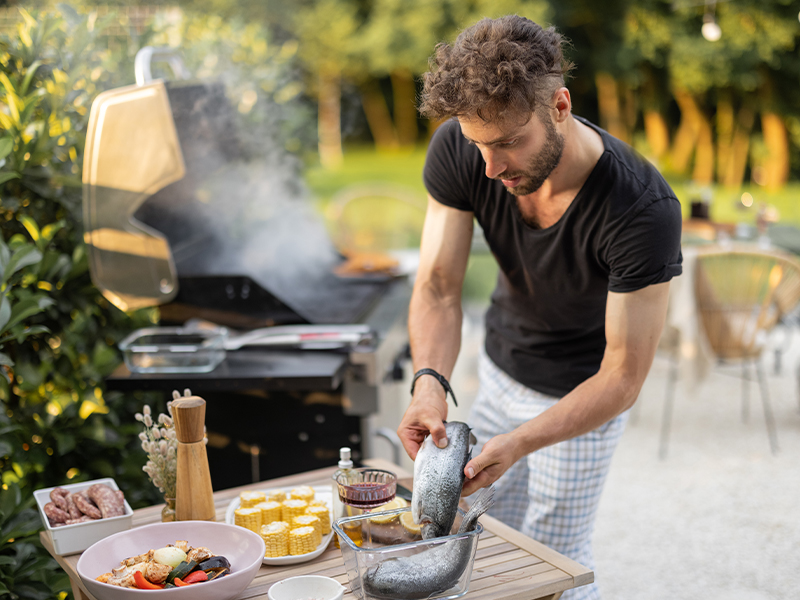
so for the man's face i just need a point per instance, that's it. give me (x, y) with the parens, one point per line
(521, 152)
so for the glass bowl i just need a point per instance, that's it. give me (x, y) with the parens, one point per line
(381, 541)
(174, 350)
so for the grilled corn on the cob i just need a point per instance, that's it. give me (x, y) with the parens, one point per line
(324, 516)
(310, 520)
(302, 540)
(249, 518)
(276, 539)
(292, 508)
(250, 499)
(276, 495)
(303, 492)
(270, 511)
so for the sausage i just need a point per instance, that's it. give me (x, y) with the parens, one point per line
(74, 511)
(81, 519)
(86, 506)
(55, 515)
(59, 497)
(110, 502)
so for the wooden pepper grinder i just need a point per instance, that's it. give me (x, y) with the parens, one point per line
(194, 498)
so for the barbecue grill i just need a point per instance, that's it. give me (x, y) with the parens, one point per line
(178, 215)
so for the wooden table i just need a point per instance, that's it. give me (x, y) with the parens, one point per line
(508, 565)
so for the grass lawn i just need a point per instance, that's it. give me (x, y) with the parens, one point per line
(365, 164)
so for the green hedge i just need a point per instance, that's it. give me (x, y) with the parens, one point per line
(58, 334)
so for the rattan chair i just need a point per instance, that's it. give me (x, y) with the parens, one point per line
(376, 217)
(741, 295)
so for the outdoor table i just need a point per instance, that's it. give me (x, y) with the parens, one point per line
(508, 565)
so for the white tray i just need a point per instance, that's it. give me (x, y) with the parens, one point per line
(69, 539)
(323, 493)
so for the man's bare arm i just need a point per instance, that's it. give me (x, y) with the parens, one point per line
(434, 321)
(633, 327)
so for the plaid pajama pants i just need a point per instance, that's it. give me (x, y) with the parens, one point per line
(552, 494)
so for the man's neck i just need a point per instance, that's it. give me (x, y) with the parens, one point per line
(583, 147)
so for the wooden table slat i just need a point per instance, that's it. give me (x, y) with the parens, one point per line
(508, 565)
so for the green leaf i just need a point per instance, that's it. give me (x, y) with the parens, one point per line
(8, 176)
(7, 560)
(6, 146)
(27, 308)
(5, 312)
(23, 256)
(24, 334)
(5, 450)
(31, 226)
(28, 76)
(49, 231)
(5, 360)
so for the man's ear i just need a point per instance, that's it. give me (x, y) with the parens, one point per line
(562, 102)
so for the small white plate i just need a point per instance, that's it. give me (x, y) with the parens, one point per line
(320, 493)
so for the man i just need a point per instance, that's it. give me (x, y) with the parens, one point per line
(587, 236)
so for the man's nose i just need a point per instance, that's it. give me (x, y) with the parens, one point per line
(495, 165)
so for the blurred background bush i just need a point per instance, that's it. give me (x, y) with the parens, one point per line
(707, 90)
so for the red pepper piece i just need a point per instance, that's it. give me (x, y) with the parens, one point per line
(195, 577)
(179, 582)
(143, 584)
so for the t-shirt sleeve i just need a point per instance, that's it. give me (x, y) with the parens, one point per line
(647, 249)
(444, 172)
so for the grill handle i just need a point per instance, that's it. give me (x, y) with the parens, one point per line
(148, 54)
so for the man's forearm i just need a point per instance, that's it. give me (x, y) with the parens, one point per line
(596, 401)
(434, 328)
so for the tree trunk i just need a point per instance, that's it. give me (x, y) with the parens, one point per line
(703, 173)
(378, 117)
(405, 109)
(726, 123)
(608, 104)
(688, 131)
(736, 164)
(329, 123)
(776, 140)
(657, 133)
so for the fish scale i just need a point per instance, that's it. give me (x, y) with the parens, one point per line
(438, 479)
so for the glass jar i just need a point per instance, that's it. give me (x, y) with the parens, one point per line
(168, 512)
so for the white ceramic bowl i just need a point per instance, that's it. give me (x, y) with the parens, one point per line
(69, 539)
(243, 548)
(307, 586)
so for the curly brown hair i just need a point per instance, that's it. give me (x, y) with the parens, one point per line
(496, 67)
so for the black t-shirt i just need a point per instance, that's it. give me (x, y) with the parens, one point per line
(545, 326)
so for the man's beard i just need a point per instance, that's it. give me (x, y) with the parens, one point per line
(541, 165)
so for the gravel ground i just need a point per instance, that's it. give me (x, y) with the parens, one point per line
(719, 518)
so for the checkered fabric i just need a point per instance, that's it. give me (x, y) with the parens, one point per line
(552, 494)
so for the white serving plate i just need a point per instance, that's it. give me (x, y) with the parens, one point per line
(69, 539)
(323, 493)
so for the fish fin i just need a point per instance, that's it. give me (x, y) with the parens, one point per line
(472, 439)
(483, 503)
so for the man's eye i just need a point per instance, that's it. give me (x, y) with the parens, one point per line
(508, 143)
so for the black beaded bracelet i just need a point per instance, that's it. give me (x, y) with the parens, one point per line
(442, 380)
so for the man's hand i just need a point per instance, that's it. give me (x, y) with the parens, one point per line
(427, 414)
(496, 457)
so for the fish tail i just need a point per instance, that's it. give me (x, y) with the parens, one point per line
(483, 503)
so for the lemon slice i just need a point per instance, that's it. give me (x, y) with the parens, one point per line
(407, 521)
(391, 505)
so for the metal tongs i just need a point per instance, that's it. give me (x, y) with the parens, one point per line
(306, 337)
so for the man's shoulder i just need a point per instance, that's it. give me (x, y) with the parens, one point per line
(627, 167)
